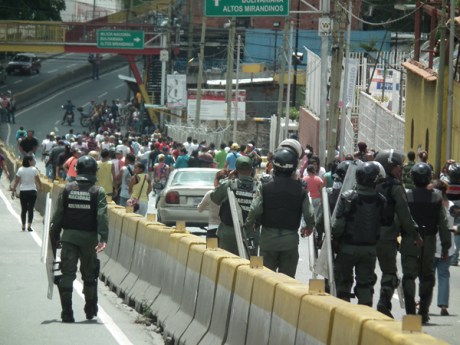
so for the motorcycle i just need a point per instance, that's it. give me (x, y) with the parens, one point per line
(85, 118)
(68, 117)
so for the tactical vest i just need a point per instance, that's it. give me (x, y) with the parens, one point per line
(283, 199)
(424, 206)
(244, 193)
(363, 214)
(80, 207)
(384, 189)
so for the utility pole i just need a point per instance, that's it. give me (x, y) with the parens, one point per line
(229, 83)
(450, 91)
(336, 78)
(190, 35)
(281, 84)
(344, 117)
(288, 92)
(297, 25)
(325, 9)
(200, 73)
(235, 119)
(440, 87)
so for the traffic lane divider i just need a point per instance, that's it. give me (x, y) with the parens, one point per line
(286, 309)
(176, 324)
(242, 298)
(261, 308)
(126, 254)
(389, 332)
(223, 300)
(349, 321)
(161, 304)
(316, 318)
(180, 283)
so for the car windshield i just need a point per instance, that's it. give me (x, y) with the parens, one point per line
(193, 178)
(22, 58)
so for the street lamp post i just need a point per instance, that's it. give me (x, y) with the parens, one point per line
(276, 26)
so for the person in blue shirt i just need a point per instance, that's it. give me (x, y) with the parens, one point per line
(232, 156)
(182, 159)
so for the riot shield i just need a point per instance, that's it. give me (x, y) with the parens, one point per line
(237, 217)
(50, 256)
(324, 263)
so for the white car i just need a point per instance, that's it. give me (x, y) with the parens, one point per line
(182, 193)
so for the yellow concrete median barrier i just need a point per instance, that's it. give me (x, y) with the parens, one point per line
(160, 305)
(242, 297)
(378, 332)
(145, 260)
(108, 257)
(260, 312)
(156, 271)
(117, 269)
(124, 281)
(286, 309)
(210, 271)
(316, 318)
(223, 301)
(177, 323)
(349, 320)
(180, 283)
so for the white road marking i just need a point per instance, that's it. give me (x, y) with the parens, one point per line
(71, 65)
(52, 71)
(18, 81)
(102, 94)
(107, 321)
(120, 85)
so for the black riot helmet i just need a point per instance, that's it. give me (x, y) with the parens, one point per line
(454, 173)
(421, 174)
(389, 159)
(284, 161)
(86, 165)
(341, 169)
(367, 174)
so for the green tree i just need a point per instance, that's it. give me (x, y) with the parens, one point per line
(31, 9)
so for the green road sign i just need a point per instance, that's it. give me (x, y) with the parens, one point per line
(120, 39)
(246, 8)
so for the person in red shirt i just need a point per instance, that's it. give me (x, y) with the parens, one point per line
(314, 186)
(69, 165)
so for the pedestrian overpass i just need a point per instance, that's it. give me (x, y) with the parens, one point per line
(61, 37)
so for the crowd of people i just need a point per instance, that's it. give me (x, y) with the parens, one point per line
(391, 206)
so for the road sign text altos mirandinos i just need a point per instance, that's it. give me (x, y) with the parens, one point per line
(235, 8)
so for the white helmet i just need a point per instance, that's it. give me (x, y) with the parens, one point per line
(292, 144)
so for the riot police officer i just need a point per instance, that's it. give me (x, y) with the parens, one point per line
(244, 188)
(81, 211)
(279, 205)
(396, 205)
(428, 212)
(355, 231)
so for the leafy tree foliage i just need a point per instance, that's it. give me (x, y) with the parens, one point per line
(31, 9)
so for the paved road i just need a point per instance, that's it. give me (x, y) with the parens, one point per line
(28, 317)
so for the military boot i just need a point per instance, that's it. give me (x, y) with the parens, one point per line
(384, 303)
(66, 304)
(90, 292)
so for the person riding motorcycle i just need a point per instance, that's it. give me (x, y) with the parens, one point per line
(68, 110)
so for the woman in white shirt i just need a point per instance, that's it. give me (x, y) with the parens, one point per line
(29, 182)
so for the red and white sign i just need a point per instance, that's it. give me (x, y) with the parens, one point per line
(214, 106)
